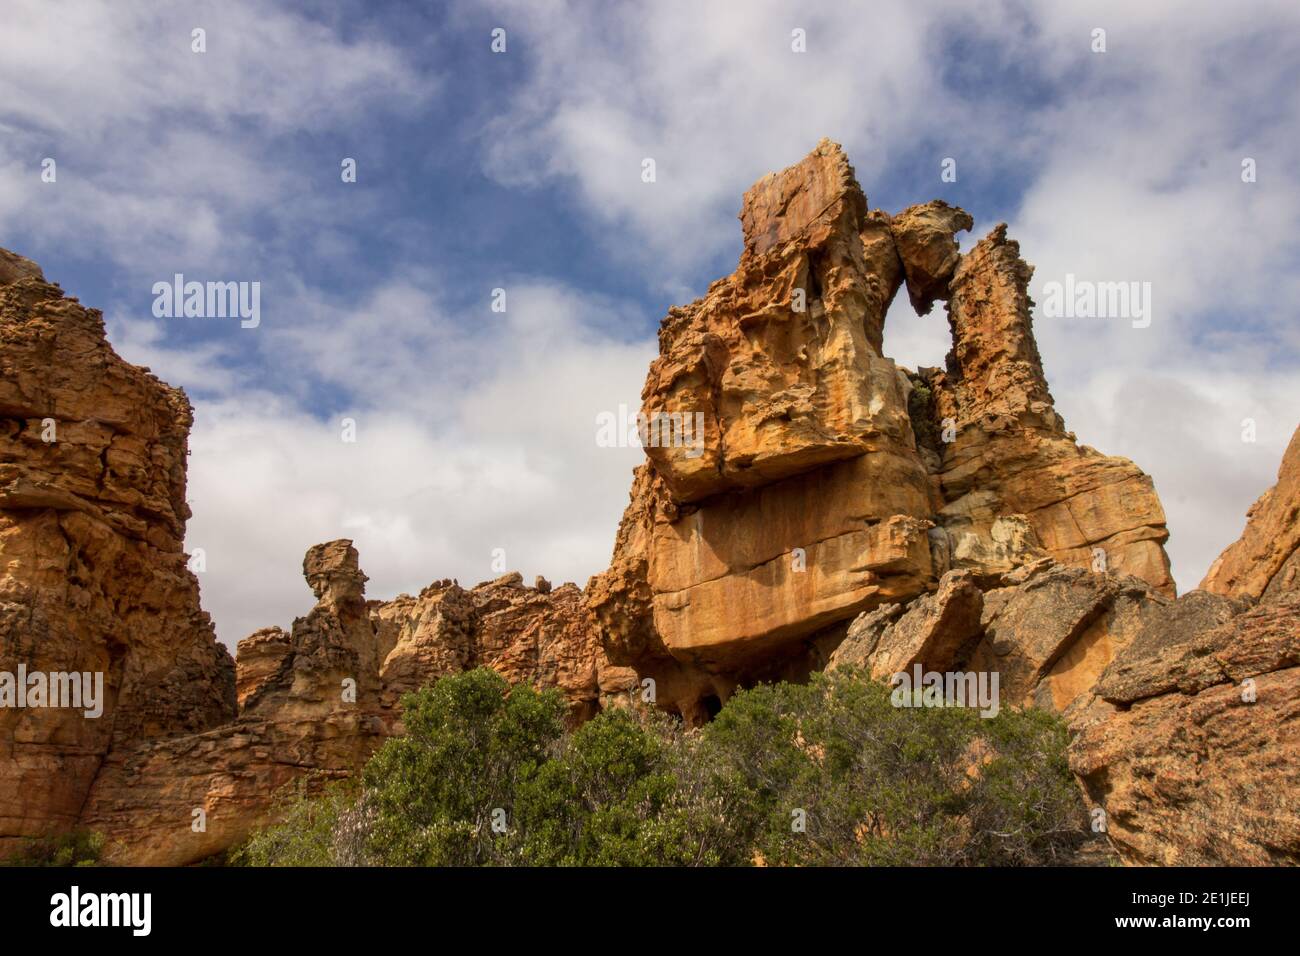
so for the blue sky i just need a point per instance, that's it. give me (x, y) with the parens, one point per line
(521, 170)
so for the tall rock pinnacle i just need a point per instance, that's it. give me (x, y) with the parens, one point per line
(798, 477)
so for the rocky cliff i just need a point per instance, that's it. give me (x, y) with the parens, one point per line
(317, 701)
(821, 480)
(190, 747)
(1191, 740)
(805, 503)
(93, 579)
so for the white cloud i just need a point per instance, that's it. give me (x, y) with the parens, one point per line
(1140, 180)
(715, 95)
(476, 430)
(165, 154)
(133, 62)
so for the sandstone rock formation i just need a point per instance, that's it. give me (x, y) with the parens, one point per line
(190, 751)
(805, 503)
(1009, 452)
(539, 635)
(1191, 743)
(1046, 629)
(1185, 714)
(92, 574)
(309, 704)
(934, 631)
(318, 701)
(797, 478)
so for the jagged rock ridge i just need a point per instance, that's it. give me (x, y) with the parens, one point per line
(322, 698)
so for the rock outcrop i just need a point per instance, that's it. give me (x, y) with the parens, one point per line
(188, 751)
(933, 633)
(1185, 714)
(797, 478)
(805, 503)
(1007, 450)
(536, 635)
(316, 702)
(310, 708)
(93, 578)
(1191, 740)
(1046, 629)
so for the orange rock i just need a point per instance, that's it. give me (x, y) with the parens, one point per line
(317, 702)
(92, 573)
(1010, 453)
(1266, 559)
(1192, 748)
(926, 240)
(826, 480)
(1191, 741)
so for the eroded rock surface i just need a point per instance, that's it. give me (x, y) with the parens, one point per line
(1009, 451)
(1046, 629)
(539, 635)
(315, 703)
(1191, 742)
(822, 480)
(93, 578)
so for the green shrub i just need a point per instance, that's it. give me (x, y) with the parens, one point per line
(78, 848)
(825, 773)
(920, 409)
(311, 828)
(612, 798)
(832, 773)
(440, 795)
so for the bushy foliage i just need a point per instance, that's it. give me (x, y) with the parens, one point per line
(317, 826)
(920, 409)
(444, 794)
(78, 848)
(826, 773)
(833, 773)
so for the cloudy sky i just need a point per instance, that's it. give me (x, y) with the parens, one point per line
(521, 170)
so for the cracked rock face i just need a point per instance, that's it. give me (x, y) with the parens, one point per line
(316, 702)
(1048, 630)
(1191, 742)
(93, 579)
(822, 480)
(92, 573)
